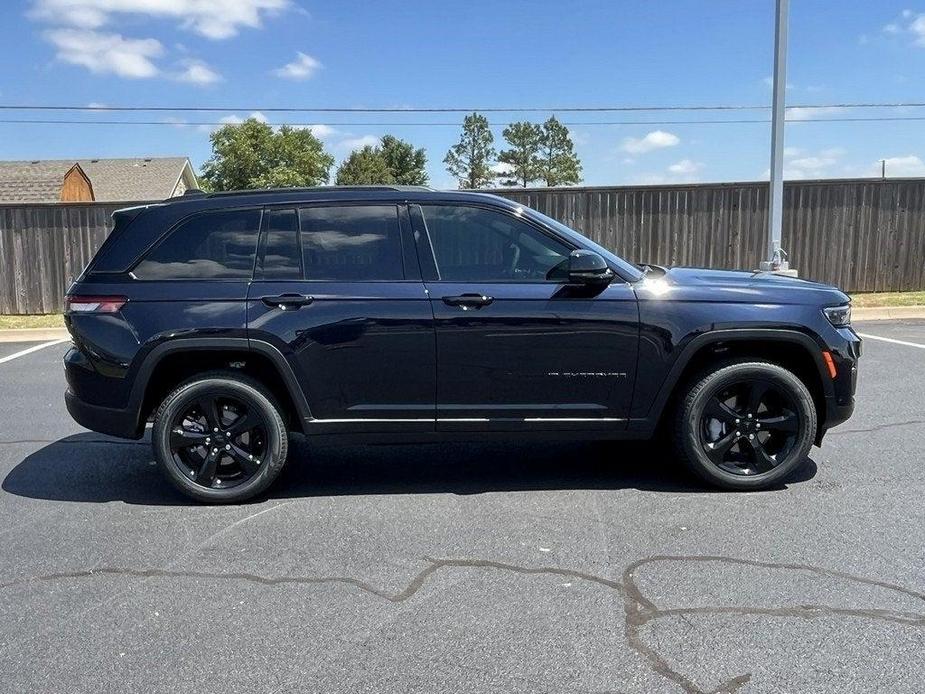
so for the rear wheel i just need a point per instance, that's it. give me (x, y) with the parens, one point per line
(220, 438)
(746, 426)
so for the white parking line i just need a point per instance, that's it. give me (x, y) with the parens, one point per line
(32, 349)
(890, 339)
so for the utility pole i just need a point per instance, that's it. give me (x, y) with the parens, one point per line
(776, 255)
(883, 168)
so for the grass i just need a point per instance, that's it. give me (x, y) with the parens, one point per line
(52, 320)
(888, 299)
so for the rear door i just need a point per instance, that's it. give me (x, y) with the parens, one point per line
(517, 347)
(338, 290)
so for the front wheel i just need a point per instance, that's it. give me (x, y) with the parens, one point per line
(220, 438)
(746, 426)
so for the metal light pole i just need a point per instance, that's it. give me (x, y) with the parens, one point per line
(776, 256)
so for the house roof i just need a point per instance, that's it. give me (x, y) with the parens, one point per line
(113, 180)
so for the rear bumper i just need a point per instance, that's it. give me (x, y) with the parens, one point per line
(106, 420)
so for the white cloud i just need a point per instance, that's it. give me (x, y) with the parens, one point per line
(302, 68)
(800, 164)
(657, 139)
(909, 165)
(107, 53)
(892, 28)
(917, 27)
(359, 142)
(320, 130)
(685, 167)
(811, 112)
(197, 72)
(234, 119)
(214, 19)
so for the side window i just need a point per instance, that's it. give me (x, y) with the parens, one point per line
(213, 245)
(280, 257)
(475, 244)
(351, 243)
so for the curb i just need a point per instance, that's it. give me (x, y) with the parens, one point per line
(33, 334)
(887, 313)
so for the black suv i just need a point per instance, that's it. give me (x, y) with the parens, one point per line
(405, 314)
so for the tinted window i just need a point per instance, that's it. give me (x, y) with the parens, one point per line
(474, 244)
(354, 243)
(280, 258)
(214, 245)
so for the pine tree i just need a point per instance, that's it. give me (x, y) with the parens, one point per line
(559, 164)
(471, 159)
(523, 157)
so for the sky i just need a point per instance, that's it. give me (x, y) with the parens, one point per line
(256, 55)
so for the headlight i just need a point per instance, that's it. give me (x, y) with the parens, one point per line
(839, 316)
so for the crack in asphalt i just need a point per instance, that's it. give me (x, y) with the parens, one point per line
(639, 610)
(878, 427)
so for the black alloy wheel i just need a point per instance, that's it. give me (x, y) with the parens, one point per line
(745, 425)
(218, 441)
(749, 427)
(220, 438)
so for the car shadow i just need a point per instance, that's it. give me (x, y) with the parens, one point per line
(95, 468)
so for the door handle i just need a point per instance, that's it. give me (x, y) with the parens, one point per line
(286, 302)
(467, 301)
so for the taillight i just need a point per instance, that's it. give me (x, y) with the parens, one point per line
(93, 304)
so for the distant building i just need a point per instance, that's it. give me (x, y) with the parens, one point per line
(100, 180)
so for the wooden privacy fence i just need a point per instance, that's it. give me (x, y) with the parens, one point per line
(43, 247)
(862, 235)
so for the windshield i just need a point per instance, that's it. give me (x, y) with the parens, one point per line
(626, 269)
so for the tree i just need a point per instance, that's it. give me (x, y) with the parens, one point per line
(523, 156)
(471, 159)
(404, 161)
(252, 155)
(366, 166)
(559, 164)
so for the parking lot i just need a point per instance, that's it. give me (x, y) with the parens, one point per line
(480, 568)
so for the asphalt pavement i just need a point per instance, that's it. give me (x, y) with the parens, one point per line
(466, 568)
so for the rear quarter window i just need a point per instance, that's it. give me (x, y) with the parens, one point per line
(211, 245)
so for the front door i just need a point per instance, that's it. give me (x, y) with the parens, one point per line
(518, 348)
(338, 290)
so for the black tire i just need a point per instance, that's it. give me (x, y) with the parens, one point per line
(220, 466)
(724, 442)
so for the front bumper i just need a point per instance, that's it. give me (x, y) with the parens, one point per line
(839, 405)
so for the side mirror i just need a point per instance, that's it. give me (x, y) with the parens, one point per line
(588, 268)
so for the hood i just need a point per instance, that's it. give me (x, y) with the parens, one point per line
(700, 284)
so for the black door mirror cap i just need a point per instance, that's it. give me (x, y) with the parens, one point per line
(588, 268)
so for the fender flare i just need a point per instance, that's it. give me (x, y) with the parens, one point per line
(184, 344)
(812, 347)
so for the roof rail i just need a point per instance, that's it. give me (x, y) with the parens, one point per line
(311, 189)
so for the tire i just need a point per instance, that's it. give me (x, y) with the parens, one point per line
(229, 463)
(768, 440)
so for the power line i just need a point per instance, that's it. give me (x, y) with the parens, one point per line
(491, 109)
(184, 124)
